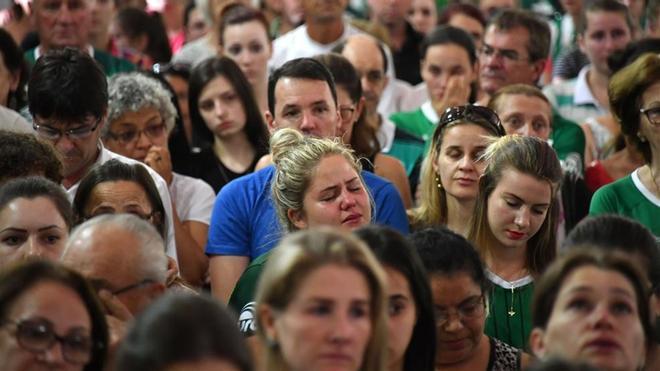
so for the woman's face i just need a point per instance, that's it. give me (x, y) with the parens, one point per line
(457, 162)
(51, 307)
(119, 197)
(423, 16)
(349, 112)
(221, 108)
(133, 133)
(598, 308)
(335, 197)
(517, 207)
(8, 82)
(31, 228)
(460, 317)
(327, 324)
(248, 45)
(650, 99)
(444, 63)
(402, 316)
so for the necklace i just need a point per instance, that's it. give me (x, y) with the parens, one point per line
(511, 311)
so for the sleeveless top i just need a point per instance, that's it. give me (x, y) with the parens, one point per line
(503, 357)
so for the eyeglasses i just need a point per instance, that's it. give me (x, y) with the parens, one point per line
(146, 217)
(101, 284)
(37, 335)
(471, 309)
(652, 114)
(48, 132)
(471, 113)
(132, 135)
(346, 112)
(508, 55)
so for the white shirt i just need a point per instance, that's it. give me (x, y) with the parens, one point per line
(193, 198)
(11, 120)
(106, 155)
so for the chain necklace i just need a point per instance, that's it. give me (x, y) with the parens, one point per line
(511, 311)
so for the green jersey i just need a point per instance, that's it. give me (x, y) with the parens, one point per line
(242, 299)
(510, 313)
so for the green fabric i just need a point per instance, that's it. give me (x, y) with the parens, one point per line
(415, 123)
(242, 298)
(624, 198)
(110, 64)
(513, 330)
(408, 149)
(568, 141)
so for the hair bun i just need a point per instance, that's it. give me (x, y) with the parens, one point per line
(282, 141)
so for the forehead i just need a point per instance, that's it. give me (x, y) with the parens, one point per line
(523, 102)
(118, 193)
(464, 136)
(453, 289)
(245, 31)
(597, 279)
(141, 116)
(363, 53)
(291, 91)
(516, 38)
(447, 55)
(605, 19)
(37, 211)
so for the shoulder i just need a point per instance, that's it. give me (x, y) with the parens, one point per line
(609, 198)
(505, 357)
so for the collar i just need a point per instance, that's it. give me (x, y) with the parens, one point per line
(429, 112)
(582, 93)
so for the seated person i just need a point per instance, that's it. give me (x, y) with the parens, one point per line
(23, 154)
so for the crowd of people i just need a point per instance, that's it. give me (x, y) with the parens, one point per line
(401, 185)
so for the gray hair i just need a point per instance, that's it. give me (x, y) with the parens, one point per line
(150, 253)
(133, 91)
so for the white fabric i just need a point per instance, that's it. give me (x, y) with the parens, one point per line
(642, 188)
(105, 156)
(11, 120)
(429, 112)
(196, 51)
(385, 134)
(394, 97)
(193, 198)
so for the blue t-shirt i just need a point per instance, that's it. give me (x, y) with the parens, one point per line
(244, 221)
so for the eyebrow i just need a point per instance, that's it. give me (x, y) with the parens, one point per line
(337, 185)
(616, 290)
(521, 200)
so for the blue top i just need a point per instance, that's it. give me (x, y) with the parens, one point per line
(244, 221)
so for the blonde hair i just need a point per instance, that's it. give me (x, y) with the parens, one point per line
(295, 258)
(432, 208)
(528, 155)
(296, 157)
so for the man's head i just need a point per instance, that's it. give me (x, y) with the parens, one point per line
(120, 253)
(653, 19)
(389, 12)
(302, 96)
(514, 51)
(68, 99)
(61, 23)
(321, 11)
(367, 56)
(606, 28)
(523, 110)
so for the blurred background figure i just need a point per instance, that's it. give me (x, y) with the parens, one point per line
(140, 37)
(423, 15)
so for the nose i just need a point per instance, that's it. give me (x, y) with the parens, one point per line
(143, 140)
(347, 200)
(64, 145)
(53, 356)
(219, 108)
(342, 330)
(453, 323)
(602, 317)
(525, 130)
(466, 163)
(308, 123)
(522, 218)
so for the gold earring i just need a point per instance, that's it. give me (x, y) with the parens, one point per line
(437, 180)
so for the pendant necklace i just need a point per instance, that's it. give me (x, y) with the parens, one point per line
(511, 311)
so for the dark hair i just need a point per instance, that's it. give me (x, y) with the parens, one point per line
(12, 55)
(136, 22)
(155, 340)
(24, 154)
(446, 253)
(609, 6)
(548, 286)
(394, 251)
(615, 232)
(461, 8)
(652, 11)
(621, 58)
(239, 13)
(339, 49)
(201, 75)
(19, 279)
(363, 139)
(67, 84)
(449, 35)
(538, 46)
(300, 68)
(115, 171)
(36, 186)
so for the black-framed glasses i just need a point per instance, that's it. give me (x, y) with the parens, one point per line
(152, 131)
(146, 217)
(37, 335)
(48, 132)
(652, 114)
(472, 113)
(471, 309)
(346, 112)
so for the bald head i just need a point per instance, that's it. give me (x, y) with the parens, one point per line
(368, 57)
(122, 254)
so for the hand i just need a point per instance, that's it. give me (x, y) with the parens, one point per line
(158, 158)
(456, 94)
(172, 271)
(117, 316)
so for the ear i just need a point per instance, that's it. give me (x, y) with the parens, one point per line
(539, 67)
(266, 317)
(270, 121)
(580, 42)
(537, 343)
(360, 107)
(270, 49)
(297, 218)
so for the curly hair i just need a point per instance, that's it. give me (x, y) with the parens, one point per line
(24, 154)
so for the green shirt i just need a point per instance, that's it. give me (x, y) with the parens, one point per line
(568, 141)
(110, 64)
(242, 298)
(510, 313)
(628, 197)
